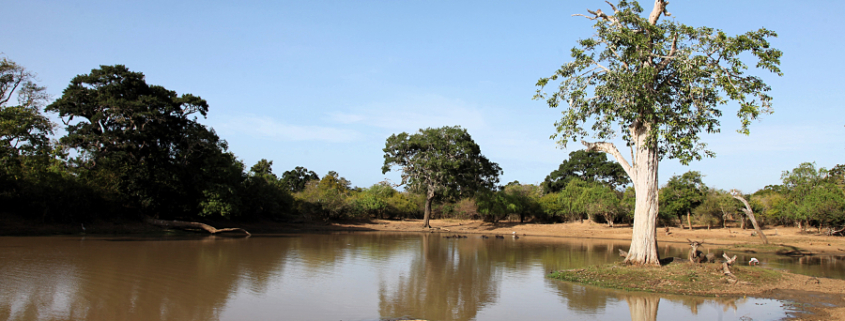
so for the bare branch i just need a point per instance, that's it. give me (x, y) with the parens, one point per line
(624, 64)
(612, 6)
(659, 8)
(668, 58)
(610, 148)
(600, 66)
(585, 16)
(598, 14)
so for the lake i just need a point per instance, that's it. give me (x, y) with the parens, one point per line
(340, 276)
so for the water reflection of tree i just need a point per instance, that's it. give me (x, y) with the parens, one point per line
(447, 280)
(580, 298)
(145, 280)
(643, 307)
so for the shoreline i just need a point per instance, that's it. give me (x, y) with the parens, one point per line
(823, 298)
(780, 238)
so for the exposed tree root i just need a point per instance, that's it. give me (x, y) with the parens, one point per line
(193, 226)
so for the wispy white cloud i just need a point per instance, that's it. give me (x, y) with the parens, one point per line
(272, 129)
(413, 113)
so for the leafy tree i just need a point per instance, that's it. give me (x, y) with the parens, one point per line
(265, 196)
(571, 199)
(811, 195)
(145, 136)
(374, 200)
(297, 178)
(262, 167)
(325, 199)
(658, 83)
(836, 176)
(681, 195)
(715, 208)
(798, 184)
(770, 203)
(628, 203)
(589, 166)
(24, 131)
(523, 200)
(494, 205)
(600, 199)
(826, 204)
(441, 161)
(551, 206)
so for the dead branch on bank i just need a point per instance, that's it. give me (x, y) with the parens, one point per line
(831, 231)
(193, 226)
(750, 214)
(726, 267)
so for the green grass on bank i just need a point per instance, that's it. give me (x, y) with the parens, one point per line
(676, 278)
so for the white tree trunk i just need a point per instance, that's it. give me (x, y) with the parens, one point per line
(643, 308)
(644, 239)
(643, 173)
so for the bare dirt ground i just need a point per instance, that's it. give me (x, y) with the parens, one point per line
(808, 243)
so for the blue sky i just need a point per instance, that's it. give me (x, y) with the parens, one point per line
(322, 84)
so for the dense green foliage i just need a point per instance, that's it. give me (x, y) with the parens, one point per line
(586, 166)
(808, 197)
(134, 149)
(681, 195)
(441, 162)
(661, 75)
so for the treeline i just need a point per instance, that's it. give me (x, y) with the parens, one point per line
(134, 150)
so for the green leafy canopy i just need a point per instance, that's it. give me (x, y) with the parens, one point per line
(444, 161)
(669, 76)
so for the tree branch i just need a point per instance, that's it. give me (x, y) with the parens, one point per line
(598, 14)
(668, 58)
(610, 148)
(659, 7)
(193, 225)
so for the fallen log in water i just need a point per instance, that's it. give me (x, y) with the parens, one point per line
(193, 226)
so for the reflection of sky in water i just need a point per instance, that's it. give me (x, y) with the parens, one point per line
(363, 276)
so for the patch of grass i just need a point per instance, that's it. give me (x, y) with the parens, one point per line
(768, 248)
(676, 278)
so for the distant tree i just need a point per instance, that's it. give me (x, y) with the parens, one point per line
(770, 203)
(826, 204)
(297, 178)
(798, 184)
(441, 161)
(716, 207)
(326, 198)
(523, 200)
(589, 167)
(682, 194)
(148, 139)
(24, 130)
(262, 167)
(599, 199)
(265, 196)
(571, 199)
(836, 175)
(813, 195)
(658, 84)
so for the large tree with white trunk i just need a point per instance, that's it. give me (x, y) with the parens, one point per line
(659, 84)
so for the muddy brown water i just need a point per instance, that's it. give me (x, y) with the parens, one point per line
(344, 276)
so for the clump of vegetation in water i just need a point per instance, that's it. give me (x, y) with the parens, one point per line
(676, 278)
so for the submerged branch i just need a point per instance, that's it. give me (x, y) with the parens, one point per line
(193, 226)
